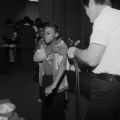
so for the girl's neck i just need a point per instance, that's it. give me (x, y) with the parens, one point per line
(55, 41)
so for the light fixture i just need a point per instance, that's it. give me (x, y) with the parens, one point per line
(34, 0)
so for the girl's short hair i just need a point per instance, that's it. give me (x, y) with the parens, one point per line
(101, 2)
(85, 2)
(53, 25)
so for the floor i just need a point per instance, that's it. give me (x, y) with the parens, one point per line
(19, 87)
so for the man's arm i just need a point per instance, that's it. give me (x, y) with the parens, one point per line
(91, 56)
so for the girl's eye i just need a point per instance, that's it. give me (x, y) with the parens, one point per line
(48, 33)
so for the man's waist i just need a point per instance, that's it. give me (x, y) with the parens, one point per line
(106, 77)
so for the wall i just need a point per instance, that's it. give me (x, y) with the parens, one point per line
(14, 9)
(17, 9)
(46, 10)
(54, 11)
(68, 14)
(32, 10)
(11, 8)
(73, 19)
(60, 15)
(70, 17)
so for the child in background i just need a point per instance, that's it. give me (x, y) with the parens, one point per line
(38, 43)
(52, 66)
(39, 36)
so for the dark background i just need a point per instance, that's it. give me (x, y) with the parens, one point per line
(68, 14)
(19, 86)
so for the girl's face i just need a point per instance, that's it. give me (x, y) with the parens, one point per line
(50, 34)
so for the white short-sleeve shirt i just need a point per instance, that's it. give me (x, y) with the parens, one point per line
(106, 31)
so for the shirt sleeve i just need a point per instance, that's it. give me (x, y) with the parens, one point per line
(102, 29)
(100, 37)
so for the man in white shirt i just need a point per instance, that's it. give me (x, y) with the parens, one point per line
(103, 53)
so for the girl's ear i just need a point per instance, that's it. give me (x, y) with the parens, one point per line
(56, 35)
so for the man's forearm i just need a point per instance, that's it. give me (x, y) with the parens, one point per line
(81, 56)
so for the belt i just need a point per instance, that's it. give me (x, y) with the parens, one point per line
(106, 77)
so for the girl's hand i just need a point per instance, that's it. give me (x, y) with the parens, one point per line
(72, 51)
(48, 90)
(39, 55)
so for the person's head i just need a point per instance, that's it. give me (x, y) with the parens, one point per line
(51, 33)
(28, 20)
(93, 7)
(41, 30)
(38, 22)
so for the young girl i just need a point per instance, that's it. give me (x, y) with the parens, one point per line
(52, 59)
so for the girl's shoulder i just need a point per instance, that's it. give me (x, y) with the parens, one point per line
(60, 42)
(61, 48)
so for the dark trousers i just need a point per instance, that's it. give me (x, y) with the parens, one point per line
(52, 108)
(105, 100)
(25, 56)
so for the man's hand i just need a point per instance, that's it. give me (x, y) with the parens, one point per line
(72, 52)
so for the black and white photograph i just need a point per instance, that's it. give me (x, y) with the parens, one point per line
(59, 60)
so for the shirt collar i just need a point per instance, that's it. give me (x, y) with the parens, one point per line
(102, 12)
